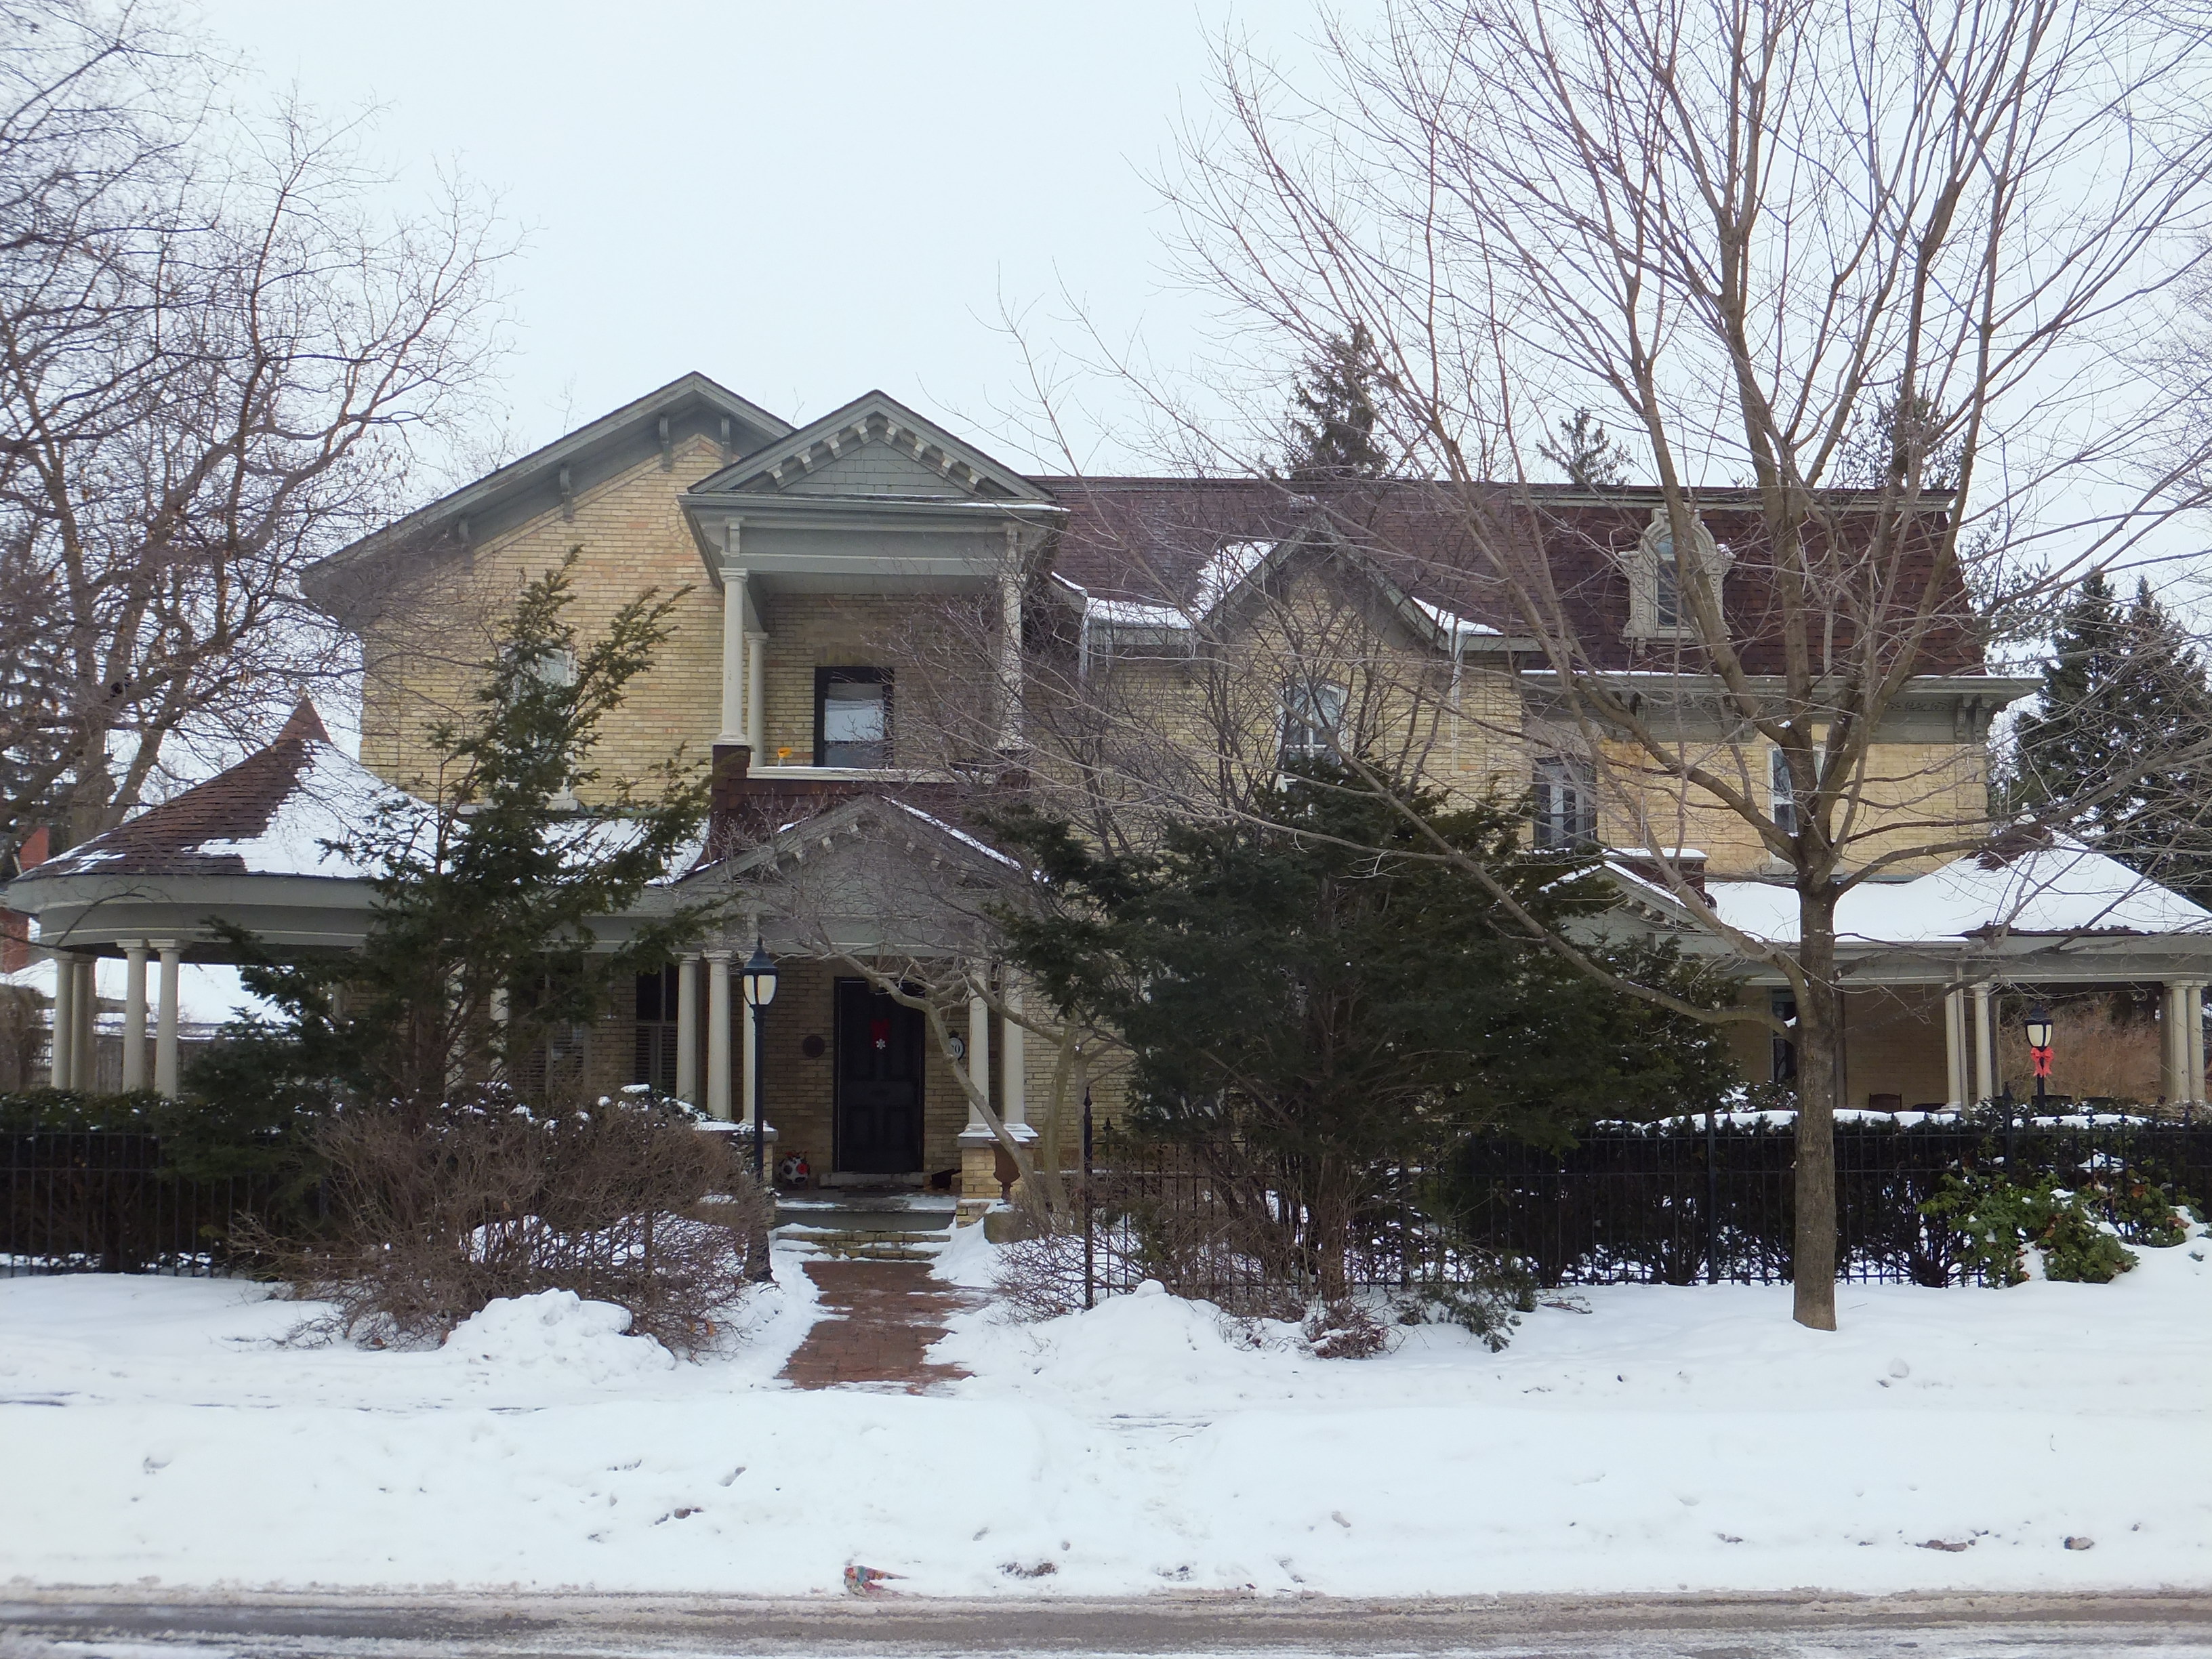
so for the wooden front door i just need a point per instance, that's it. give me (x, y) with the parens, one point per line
(878, 1082)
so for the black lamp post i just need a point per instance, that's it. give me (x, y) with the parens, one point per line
(759, 980)
(2038, 1026)
(759, 974)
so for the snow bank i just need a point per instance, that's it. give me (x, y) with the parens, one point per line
(1632, 1439)
(558, 1330)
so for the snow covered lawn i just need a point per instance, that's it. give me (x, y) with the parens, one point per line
(151, 1429)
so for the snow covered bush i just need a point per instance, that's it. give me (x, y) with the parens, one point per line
(435, 1213)
(1999, 1220)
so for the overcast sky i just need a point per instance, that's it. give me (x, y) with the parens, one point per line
(804, 201)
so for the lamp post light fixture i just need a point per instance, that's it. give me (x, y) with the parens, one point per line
(2039, 1030)
(758, 977)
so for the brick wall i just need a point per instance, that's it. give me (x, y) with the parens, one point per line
(424, 664)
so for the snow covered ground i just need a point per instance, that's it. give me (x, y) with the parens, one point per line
(154, 1429)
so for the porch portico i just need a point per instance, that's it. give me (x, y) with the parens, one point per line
(1923, 964)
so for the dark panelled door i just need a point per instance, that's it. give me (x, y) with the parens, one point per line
(878, 1082)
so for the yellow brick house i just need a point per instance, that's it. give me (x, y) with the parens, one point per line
(881, 625)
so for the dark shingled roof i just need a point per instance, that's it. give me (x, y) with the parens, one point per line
(233, 806)
(1148, 539)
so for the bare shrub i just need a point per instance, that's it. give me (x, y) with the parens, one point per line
(1040, 1277)
(1345, 1329)
(434, 1215)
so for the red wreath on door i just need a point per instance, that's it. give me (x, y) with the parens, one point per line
(879, 1033)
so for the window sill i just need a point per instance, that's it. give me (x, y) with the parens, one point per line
(848, 773)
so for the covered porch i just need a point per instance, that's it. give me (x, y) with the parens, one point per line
(1933, 973)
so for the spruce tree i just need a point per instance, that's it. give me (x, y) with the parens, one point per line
(2120, 748)
(490, 899)
(1332, 431)
(1315, 990)
(1587, 454)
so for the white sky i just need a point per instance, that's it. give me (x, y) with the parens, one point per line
(804, 201)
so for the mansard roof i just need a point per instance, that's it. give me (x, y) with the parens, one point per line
(1164, 542)
(658, 423)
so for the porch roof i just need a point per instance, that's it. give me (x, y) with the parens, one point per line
(2064, 912)
(2065, 890)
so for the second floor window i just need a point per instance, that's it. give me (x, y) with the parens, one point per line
(852, 717)
(1565, 803)
(1782, 792)
(1313, 719)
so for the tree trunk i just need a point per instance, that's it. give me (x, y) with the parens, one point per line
(1812, 1256)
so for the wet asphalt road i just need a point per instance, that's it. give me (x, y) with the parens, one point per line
(110, 1624)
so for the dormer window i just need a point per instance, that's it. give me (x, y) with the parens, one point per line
(1659, 572)
(852, 717)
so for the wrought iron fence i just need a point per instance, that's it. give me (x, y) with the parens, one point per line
(104, 1201)
(1687, 1202)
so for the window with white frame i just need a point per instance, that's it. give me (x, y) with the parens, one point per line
(1659, 574)
(1566, 802)
(1313, 721)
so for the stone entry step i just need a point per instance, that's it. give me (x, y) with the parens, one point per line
(868, 1227)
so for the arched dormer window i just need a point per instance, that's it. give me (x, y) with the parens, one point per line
(1658, 608)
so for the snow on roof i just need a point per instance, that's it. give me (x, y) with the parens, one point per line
(333, 797)
(1233, 561)
(1457, 625)
(2065, 888)
(1131, 613)
(960, 835)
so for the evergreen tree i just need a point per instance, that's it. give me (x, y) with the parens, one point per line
(1344, 1015)
(2123, 687)
(481, 943)
(1332, 433)
(1587, 454)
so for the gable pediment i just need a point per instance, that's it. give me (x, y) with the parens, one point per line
(874, 448)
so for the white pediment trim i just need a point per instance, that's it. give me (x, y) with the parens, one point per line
(876, 419)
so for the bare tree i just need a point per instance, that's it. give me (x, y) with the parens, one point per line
(1883, 289)
(218, 358)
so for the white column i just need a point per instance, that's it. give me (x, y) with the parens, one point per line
(687, 1029)
(733, 653)
(978, 1057)
(1010, 644)
(756, 697)
(1015, 1108)
(64, 1033)
(2192, 1041)
(2171, 1065)
(1954, 1047)
(84, 1045)
(1985, 1048)
(165, 1028)
(134, 1015)
(718, 1034)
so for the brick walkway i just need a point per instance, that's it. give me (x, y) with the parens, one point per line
(880, 1318)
